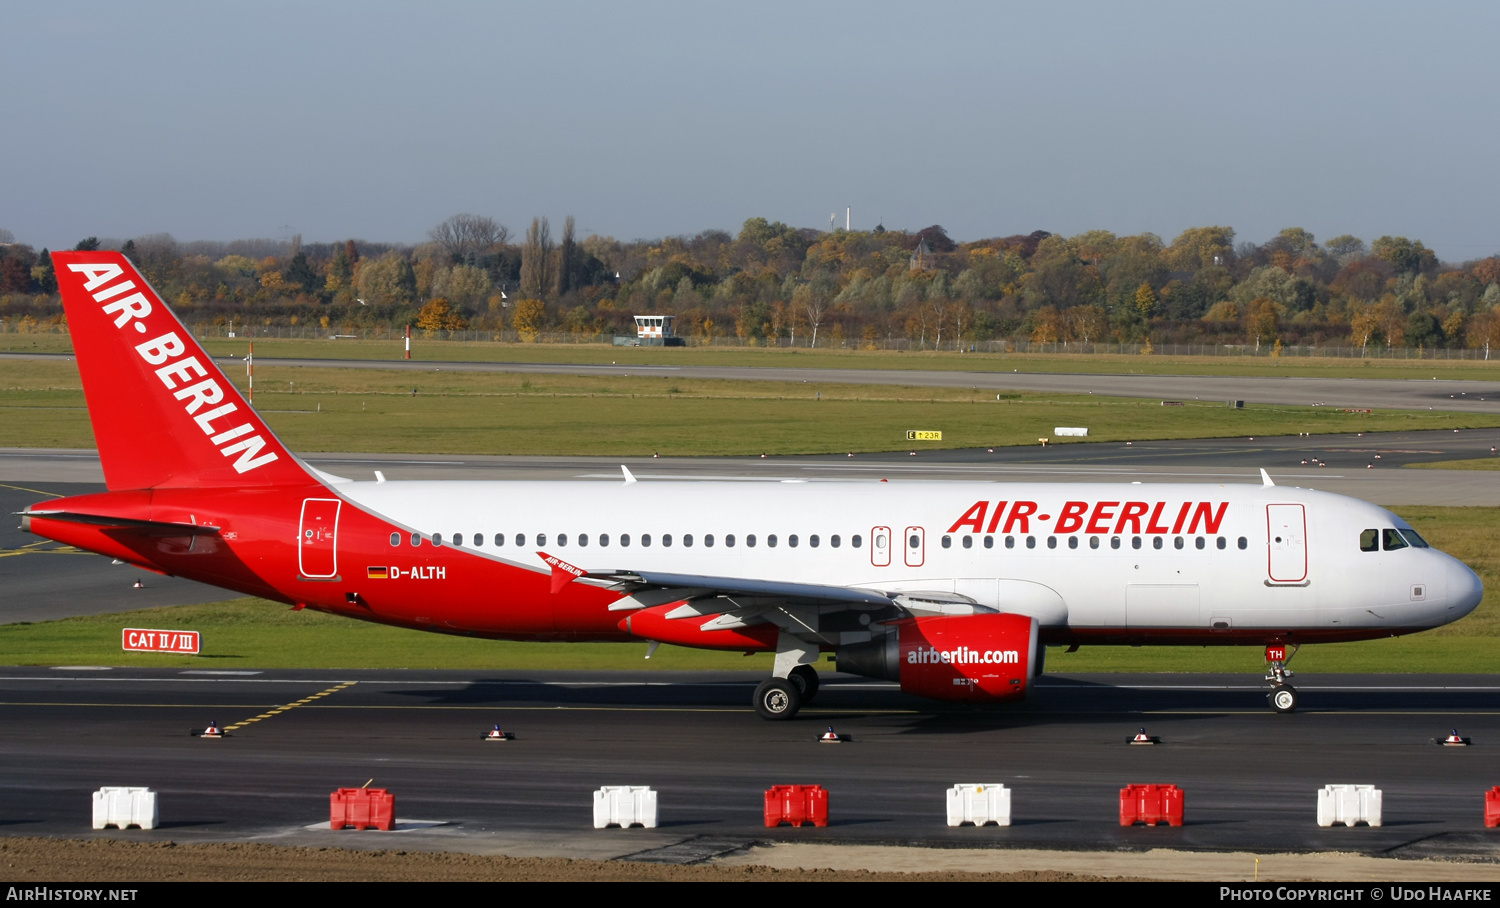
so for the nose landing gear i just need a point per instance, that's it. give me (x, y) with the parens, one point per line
(1283, 697)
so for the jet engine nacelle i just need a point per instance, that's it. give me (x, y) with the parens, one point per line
(963, 658)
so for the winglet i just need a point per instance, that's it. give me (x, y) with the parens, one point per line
(562, 572)
(1265, 478)
(629, 477)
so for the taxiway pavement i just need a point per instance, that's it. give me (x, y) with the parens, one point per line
(1408, 394)
(1250, 775)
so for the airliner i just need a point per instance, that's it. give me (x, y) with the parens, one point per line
(951, 589)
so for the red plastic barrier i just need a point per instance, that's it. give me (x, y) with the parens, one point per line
(1492, 807)
(796, 804)
(1151, 804)
(362, 808)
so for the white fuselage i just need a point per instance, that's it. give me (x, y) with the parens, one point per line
(1134, 557)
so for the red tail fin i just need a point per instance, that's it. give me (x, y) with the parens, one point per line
(164, 415)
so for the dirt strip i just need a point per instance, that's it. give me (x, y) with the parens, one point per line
(1157, 864)
(41, 860)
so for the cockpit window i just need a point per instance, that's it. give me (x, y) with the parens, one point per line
(1392, 540)
(1369, 541)
(1412, 537)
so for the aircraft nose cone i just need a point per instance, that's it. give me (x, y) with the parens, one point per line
(1465, 589)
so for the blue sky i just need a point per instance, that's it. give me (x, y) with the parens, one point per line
(377, 120)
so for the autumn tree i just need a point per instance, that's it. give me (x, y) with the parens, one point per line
(1088, 323)
(1262, 319)
(529, 319)
(1145, 300)
(464, 236)
(435, 315)
(567, 260)
(536, 259)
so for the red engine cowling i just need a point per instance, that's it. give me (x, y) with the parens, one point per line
(962, 658)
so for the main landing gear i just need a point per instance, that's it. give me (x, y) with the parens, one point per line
(781, 698)
(793, 682)
(1283, 697)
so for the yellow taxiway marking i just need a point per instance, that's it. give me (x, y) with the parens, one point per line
(283, 708)
(30, 548)
(24, 489)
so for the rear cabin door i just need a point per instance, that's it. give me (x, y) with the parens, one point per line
(1286, 542)
(317, 545)
(880, 546)
(916, 546)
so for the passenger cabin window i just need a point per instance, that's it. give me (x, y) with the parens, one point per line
(666, 539)
(833, 541)
(458, 538)
(1244, 543)
(1156, 543)
(750, 540)
(478, 539)
(968, 542)
(687, 540)
(437, 538)
(947, 542)
(792, 540)
(1051, 542)
(771, 540)
(625, 540)
(583, 538)
(1072, 542)
(1200, 542)
(541, 538)
(813, 540)
(562, 539)
(604, 539)
(499, 539)
(1031, 542)
(1114, 542)
(646, 540)
(395, 539)
(1135, 542)
(1391, 540)
(708, 540)
(1093, 542)
(1369, 541)
(1223, 543)
(856, 540)
(416, 538)
(989, 542)
(1010, 542)
(729, 540)
(520, 539)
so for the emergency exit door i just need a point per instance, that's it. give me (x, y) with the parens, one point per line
(317, 542)
(880, 546)
(1286, 542)
(916, 546)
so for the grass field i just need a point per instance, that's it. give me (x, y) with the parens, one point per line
(1485, 463)
(253, 633)
(312, 409)
(438, 351)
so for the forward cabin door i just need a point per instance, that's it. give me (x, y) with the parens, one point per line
(317, 544)
(1286, 542)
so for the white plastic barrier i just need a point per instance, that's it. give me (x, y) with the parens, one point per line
(1077, 431)
(978, 804)
(125, 807)
(625, 806)
(1348, 804)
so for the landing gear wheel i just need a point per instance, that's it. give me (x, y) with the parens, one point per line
(806, 679)
(777, 698)
(1283, 698)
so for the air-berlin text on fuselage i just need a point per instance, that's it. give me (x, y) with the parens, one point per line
(1097, 517)
(179, 373)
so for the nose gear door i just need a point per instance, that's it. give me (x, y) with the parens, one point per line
(317, 538)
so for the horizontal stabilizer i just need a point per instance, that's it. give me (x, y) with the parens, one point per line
(141, 527)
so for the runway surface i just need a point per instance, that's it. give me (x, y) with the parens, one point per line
(1408, 394)
(43, 580)
(1250, 775)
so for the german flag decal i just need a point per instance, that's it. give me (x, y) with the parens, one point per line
(377, 573)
